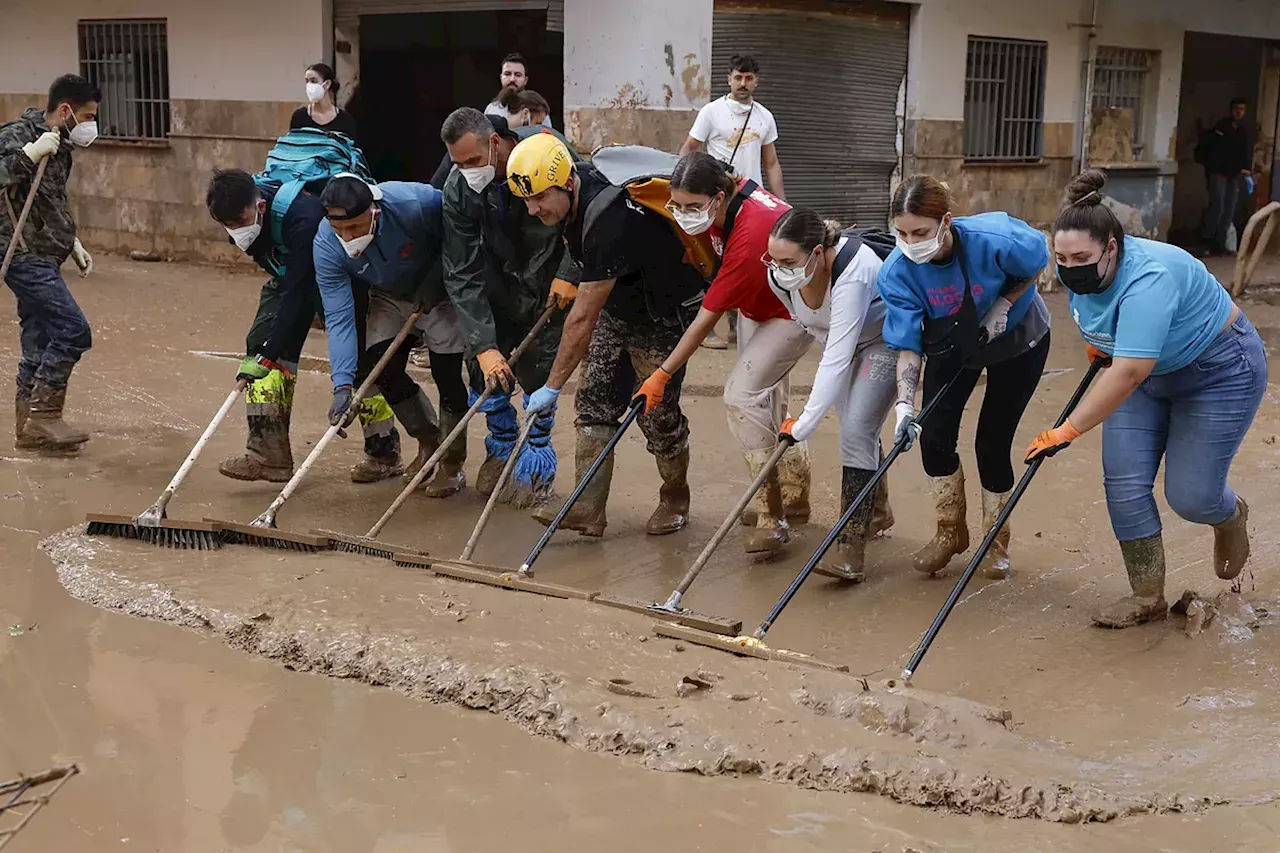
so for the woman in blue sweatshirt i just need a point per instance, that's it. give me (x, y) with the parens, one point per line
(960, 290)
(1186, 375)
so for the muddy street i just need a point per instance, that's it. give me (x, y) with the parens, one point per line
(271, 700)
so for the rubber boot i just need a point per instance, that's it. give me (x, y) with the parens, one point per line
(772, 532)
(1144, 563)
(673, 496)
(588, 514)
(449, 477)
(794, 475)
(504, 428)
(381, 443)
(995, 563)
(44, 424)
(848, 561)
(1231, 542)
(418, 418)
(882, 513)
(21, 411)
(952, 536)
(268, 455)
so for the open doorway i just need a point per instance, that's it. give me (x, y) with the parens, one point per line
(1216, 69)
(417, 68)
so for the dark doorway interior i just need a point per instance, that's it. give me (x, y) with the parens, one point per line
(417, 68)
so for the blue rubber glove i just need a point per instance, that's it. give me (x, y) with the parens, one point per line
(1248, 184)
(542, 400)
(340, 411)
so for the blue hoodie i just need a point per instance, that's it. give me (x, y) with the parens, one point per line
(996, 248)
(403, 261)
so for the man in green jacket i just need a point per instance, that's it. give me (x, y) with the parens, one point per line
(502, 267)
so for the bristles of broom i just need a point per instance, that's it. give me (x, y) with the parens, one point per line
(266, 539)
(169, 537)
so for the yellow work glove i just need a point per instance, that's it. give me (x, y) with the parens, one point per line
(497, 373)
(562, 293)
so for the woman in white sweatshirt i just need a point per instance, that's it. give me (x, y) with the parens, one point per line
(827, 280)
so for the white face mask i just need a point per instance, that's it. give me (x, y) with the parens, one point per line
(245, 237)
(792, 279)
(354, 248)
(693, 221)
(480, 177)
(83, 133)
(315, 91)
(923, 251)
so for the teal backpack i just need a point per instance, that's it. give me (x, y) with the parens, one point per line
(305, 159)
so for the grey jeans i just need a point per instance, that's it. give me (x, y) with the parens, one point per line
(1224, 192)
(865, 405)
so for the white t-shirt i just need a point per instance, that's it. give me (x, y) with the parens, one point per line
(849, 318)
(497, 109)
(718, 125)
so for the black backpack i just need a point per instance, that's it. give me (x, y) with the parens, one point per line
(880, 241)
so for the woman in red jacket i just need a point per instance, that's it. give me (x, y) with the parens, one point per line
(738, 215)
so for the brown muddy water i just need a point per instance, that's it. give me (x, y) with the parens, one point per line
(287, 702)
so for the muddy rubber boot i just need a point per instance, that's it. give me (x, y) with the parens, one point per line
(588, 514)
(673, 497)
(44, 423)
(449, 477)
(995, 564)
(772, 532)
(952, 536)
(381, 459)
(267, 455)
(794, 475)
(1231, 543)
(1144, 563)
(21, 411)
(418, 418)
(882, 513)
(848, 561)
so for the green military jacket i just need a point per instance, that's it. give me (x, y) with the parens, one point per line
(497, 257)
(49, 230)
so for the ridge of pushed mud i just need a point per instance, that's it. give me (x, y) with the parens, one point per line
(489, 650)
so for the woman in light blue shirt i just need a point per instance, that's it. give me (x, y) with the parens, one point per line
(1187, 373)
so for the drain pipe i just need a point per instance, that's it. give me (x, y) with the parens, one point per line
(1091, 63)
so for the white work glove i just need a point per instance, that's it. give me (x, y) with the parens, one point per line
(997, 319)
(83, 259)
(906, 430)
(46, 145)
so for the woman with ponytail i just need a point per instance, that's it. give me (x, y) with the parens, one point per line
(1186, 373)
(826, 278)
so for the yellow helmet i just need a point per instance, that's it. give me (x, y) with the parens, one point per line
(538, 163)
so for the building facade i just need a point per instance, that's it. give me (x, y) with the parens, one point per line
(1004, 99)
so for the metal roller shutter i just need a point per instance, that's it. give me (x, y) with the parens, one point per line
(831, 80)
(347, 12)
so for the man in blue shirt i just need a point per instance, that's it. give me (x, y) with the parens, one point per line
(377, 256)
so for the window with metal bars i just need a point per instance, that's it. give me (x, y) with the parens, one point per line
(1120, 80)
(129, 61)
(1004, 99)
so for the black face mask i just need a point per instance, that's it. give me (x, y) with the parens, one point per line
(1084, 279)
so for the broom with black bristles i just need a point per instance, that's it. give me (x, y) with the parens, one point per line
(153, 525)
(262, 530)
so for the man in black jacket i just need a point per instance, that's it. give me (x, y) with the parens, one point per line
(1228, 158)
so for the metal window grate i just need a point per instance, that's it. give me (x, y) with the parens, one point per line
(1004, 99)
(129, 61)
(1120, 77)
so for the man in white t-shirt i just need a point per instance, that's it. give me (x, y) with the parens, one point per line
(514, 75)
(739, 130)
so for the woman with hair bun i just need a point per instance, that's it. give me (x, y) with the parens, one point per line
(1186, 373)
(322, 110)
(826, 278)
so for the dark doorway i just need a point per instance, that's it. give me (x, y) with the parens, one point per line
(417, 68)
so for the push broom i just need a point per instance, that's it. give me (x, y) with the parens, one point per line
(153, 525)
(969, 571)
(262, 530)
(369, 543)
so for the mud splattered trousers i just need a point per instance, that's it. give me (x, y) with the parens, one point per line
(758, 390)
(1195, 418)
(55, 333)
(621, 354)
(865, 404)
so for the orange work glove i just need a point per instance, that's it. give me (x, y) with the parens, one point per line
(497, 373)
(1051, 441)
(784, 432)
(1096, 355)
(562, 293)
(652, 389)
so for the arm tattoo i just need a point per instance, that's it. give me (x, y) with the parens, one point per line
(908, 379)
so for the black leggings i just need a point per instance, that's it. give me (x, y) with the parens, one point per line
(1010, 387)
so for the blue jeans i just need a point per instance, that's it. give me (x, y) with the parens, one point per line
(1195, 418)
(1224, 193)
(55, 332)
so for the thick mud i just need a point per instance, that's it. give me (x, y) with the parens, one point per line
(1175, 732)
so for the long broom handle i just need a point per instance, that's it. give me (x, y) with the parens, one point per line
(525, 432)
(157, 510)
(22, 217)
(990, 538)
(457, 430)
(268, 517)
(834, 532)
(730, 520)
(637, 406)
